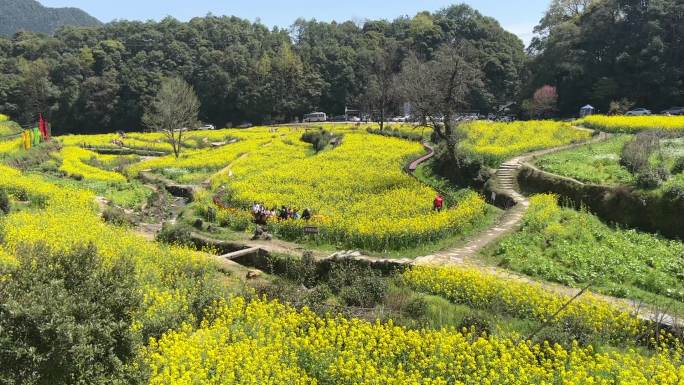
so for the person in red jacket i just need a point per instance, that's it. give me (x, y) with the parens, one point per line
(438, 204)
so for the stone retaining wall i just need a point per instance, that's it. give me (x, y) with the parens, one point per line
(620, 205)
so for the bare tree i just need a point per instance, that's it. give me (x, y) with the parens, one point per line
(382, 90)
(439, 89)
(173, 110)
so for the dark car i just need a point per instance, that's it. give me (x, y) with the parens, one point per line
(674, 111)
(338, 118)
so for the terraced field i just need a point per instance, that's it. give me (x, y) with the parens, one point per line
(186, 315)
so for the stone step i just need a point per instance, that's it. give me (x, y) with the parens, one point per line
(240, 253)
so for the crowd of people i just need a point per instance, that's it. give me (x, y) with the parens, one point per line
(262, 214)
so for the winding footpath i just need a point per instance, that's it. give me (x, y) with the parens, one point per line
(507, 181)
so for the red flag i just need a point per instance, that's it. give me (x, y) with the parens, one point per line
(41, 125)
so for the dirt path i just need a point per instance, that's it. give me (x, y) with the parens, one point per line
(225, 170)
(507, 180)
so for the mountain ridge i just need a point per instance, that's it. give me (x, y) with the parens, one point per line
(30, 15)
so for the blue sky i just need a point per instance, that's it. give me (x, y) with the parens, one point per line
(518, 16)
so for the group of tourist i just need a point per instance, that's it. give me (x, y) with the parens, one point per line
(262, 214)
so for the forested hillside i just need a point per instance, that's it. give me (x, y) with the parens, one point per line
(100, 79)
(30, 15)
(598, 51)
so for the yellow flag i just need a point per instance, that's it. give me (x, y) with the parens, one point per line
(27, 139)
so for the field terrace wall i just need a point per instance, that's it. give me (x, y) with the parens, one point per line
(620, 205)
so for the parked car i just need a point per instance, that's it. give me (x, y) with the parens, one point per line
(674, 111)
(206, 127)
(338, 118)
(355, 119)
(401, 119)
(638, 112)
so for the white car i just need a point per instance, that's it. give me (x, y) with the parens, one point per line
(207, 127)
(639, 112)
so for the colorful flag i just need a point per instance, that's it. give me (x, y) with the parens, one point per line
(26, 136)
(41, 125)
(36, 136)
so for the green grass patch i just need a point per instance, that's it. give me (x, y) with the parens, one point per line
(597, 163)
(576, 248)
(130, 195)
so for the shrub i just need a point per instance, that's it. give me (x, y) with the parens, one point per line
(308, 270)
(649, 179)
(357, 286)
(565, 332)
(478, 321)
(180, 234)
(675, 193)
(316, 297)
(635, 154)
(116, 216)
(412, 136)
(198, 224)
(320, 139)
(678, 167)
(66, 319)
(620, 107)
(4, 202)
(417, 308)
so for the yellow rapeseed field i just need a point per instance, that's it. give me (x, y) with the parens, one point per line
(358, 192)
(264, 342)
(73, 164)
(631, 124)
(481, 290)
(155, 141)
(269, 343)
(12, 146)
(495, 142)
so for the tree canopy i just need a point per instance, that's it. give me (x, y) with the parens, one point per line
(601, 51)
